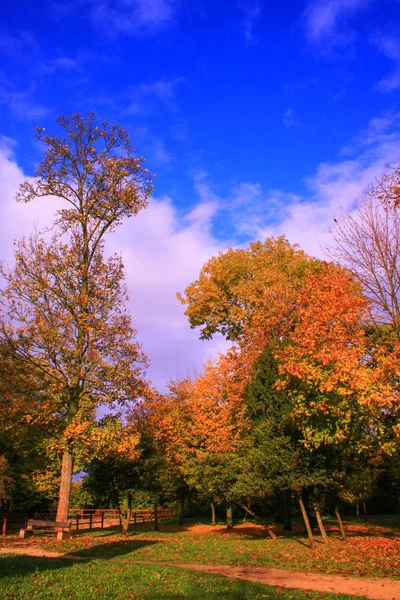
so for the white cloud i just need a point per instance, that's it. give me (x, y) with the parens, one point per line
(17, 219)
(162, 253)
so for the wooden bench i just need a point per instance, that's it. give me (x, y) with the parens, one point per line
(61, 528)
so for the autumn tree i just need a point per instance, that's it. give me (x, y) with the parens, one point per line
(340, 390)
(238, 286)
(63, 303)
(164, 421)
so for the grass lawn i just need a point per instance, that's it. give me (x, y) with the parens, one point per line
(372, 549)
(31, 578)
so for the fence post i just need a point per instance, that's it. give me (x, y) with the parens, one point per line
(134, 517)
(102, 519)
(90, 520)
(77, 522)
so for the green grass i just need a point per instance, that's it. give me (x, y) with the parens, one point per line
(371, 550)
(31, 578)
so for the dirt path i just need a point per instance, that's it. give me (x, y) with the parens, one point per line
(376, 589)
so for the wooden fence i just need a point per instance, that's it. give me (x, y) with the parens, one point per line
(86, 518)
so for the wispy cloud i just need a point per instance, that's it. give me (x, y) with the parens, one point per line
(335, 185)
(145, 98)
(389, 46)
(21, 105)
(251, 10)
(62, 63)
(252, 212)
(30, 69)
(20, 45)
(139, 17)
(24, 49)
(291, 119)
(327, 21)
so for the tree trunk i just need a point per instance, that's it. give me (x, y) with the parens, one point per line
(125, 517)
(229, 517)
(213, 521)
(340, 523)
(358, 510)
(259, 520)
(156, 516)
(66, 467)
(321, 525)
(287, 510)
(364, 509)
(182, 509)
(65, 487)
(125, 513)
(307, 523)
(305, 496)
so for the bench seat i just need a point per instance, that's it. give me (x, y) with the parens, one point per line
(61, 528)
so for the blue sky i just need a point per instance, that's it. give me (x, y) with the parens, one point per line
(259, 118)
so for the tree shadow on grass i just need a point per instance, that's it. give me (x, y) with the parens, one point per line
(31, 574)
(112, 549)
(23, 564)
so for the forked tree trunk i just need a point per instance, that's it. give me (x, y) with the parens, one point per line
(155, 516)
(321, 526)
(65, 487)
(229, 516)
(213, 521)
(125, 517)
(125, 513)
(306, 522)
(340, 523)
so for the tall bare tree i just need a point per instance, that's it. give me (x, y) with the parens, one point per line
(367, 241)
